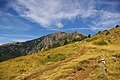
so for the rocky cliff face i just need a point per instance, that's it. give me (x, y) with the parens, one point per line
(16, 49)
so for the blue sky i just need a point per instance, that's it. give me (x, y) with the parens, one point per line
(22, 20)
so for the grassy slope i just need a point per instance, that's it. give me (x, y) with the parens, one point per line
(75, 61)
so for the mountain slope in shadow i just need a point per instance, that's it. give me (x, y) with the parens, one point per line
(16, 49)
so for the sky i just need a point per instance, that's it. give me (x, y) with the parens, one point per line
(22, 20)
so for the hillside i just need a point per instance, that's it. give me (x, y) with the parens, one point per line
(75, 61)
(16, 49)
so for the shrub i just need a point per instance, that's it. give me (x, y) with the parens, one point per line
(117, 26)
(102, 42)
(65, 42)
(107, 33)
(109, 40)
(56, 44)
(48, 57)
(89, 36)
(99, 32)
(105, 30)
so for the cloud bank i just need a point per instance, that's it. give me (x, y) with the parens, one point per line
(50, 13)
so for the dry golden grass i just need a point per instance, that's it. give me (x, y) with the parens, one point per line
(74, 61)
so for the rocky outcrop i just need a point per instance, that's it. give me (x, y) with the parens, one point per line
(16, 49)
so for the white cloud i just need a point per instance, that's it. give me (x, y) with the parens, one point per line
(49, 12)
(59, 25)
(19, 40)
(105, 19)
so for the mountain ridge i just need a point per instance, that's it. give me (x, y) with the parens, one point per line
(16, 49)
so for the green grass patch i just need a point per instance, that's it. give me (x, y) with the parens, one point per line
(101, 42)
(53, 58)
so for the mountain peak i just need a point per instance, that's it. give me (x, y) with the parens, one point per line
(16, 49)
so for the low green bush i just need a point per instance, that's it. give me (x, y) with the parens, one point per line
(109, 40)
(101, 42)
(117, 26)
(107, 33)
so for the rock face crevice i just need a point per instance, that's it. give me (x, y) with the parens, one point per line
(16, 49)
